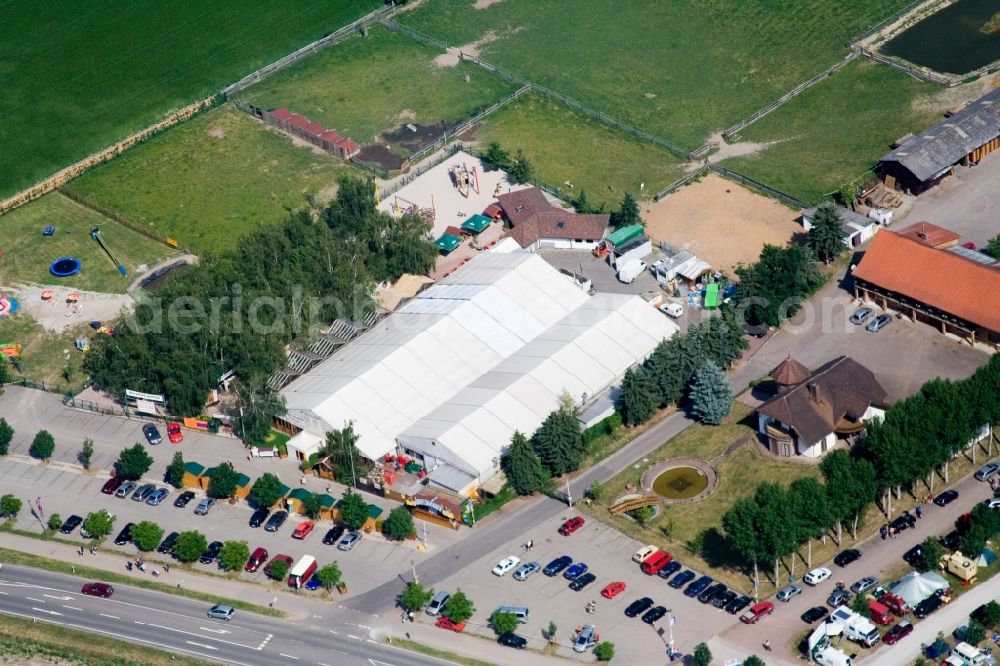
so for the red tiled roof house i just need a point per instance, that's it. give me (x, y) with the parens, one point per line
(536, 224)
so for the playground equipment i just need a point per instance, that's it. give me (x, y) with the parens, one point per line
(83, 343)
(95, 233)
(8, 305)
(464, 179)
(10, 350)
(48, 231)
(410, 208)
(65, 266)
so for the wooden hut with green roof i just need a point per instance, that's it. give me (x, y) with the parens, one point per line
(192, 475)
(294, 500)
(243, 485)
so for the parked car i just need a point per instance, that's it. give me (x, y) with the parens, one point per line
(992, 503)
(284, 558)
(571, 525)
(845, 557)
(575, 571)
(143, 492)
(722, 600)
(125, 535)
(112, 484)
(638, 606)
(152, 434)
(83, 528)
(838, 597)
(654, 614)
(898, 633)
(183, 499)
(814, 613)
(204, 506)
(527, 570)
(505, 565)
(258, 517)
(556, 566)
(125, 489)
(903, 521)
(446, 623)
(878, 323)
(102, 590)
(950, 540)
(303, 529)
(666, 572)
(864, 584)
(682, 579)
(927, 606)
(167, 545)
(221, 612)
(313, 583)
(757, 611)
(738, 604)
(697, 587)
(157, 496)
(512, 640)
(349, 541)
(585, 639)
(913, 555)
(787, 592)
(945, 498)
(817, 576)
(211, 552)
(276, 520)
(174, 433)
(988, 471)
(860, 315)
(257, 558)
(710, 593)
(581, 582)
(71, 524)
(333, 534)
(437, 603)
(612, 590)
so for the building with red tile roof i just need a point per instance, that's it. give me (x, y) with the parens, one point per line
(940, 287)
(315, 133)
(535, 223)
(929, 234)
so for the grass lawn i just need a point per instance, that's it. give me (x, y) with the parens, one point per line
(210, 180)
(27, 254)
(44, 357)
(837, 130)
(567, 146)
(677, 68)
(365, 86)
(80, 75)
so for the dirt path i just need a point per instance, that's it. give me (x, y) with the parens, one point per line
(186, 259)
(57, 315)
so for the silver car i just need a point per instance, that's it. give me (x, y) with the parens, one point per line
(787, 592)
(157, 496)
(878, 323)
(124, 489)
(204, 506)
(587, 638)
(860, 315)
(864, 584)
(143, 492)
(987, 471)
(221, 612)
(349, 541)
(526, 570)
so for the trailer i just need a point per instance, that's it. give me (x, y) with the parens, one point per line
(856, 627)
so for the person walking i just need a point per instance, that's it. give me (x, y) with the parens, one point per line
(767, 646)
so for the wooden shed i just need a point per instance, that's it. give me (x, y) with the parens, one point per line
(329, 504)
(243, 485)
(192, 475)
(294, 500)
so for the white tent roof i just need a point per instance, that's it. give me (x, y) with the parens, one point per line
(584, 353)
(411, 362)
(915, 587)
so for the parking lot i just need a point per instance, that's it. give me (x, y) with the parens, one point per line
(608, 554)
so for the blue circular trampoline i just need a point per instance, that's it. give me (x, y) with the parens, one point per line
(65, 266)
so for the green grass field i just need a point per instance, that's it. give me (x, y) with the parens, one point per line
(46, 356)
(837, 130)
(210, 180)
(677, 68)
(27, 253)
(77, 76)
(365, 86)
(566, 146)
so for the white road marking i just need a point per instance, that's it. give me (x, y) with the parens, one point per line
(334, 632)
(201, 645)
(41, 601)
(59, 598)
(357, 638)
(189, 633)
(113, 617)
(215, 631)
(288, 656)
(42, 610)
(3, 593)
(72, 607)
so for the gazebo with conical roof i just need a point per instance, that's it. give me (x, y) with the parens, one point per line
(789, 373)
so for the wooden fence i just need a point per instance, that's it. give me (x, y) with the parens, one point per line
(681, 182)
(785, 198)
(912, 70)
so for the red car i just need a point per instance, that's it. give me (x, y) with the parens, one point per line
(112, 484)
(174, 433)
(303, 529)
(284, 558)
(446, 623)
(571, 525)
(613, 589)
(257, 558)
(98, 590)
(756, 612)
(897, 633)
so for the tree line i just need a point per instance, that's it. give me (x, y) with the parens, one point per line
(240, 309)
(916, 440)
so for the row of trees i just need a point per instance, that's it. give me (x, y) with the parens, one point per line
(554, 449)
(674, 364)
(519, 169)
(917, 438)
(239, 309)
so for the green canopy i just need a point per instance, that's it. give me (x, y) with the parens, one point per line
(625, 234)
(447, 243)
(477, 223)
(712, 296)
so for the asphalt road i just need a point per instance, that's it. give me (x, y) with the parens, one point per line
(180, 625)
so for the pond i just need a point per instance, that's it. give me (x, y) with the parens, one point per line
(680, 483)
(958, 39)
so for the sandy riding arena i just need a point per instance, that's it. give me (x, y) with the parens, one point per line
(722, 222)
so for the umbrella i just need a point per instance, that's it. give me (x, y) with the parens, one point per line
(47, 294)
(73, 297)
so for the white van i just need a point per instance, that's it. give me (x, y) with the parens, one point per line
(644, 552)
(672, 309)
(437, 603)
(520, 612)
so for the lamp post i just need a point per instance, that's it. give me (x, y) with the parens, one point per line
(670, 626)
(569, 497)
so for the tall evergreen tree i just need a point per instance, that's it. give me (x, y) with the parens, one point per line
(627, 213)
(495, 157)
(558, 440)
(711, 396)
(521, 170)
(637, 400)
(825, 236)
(524, 470)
